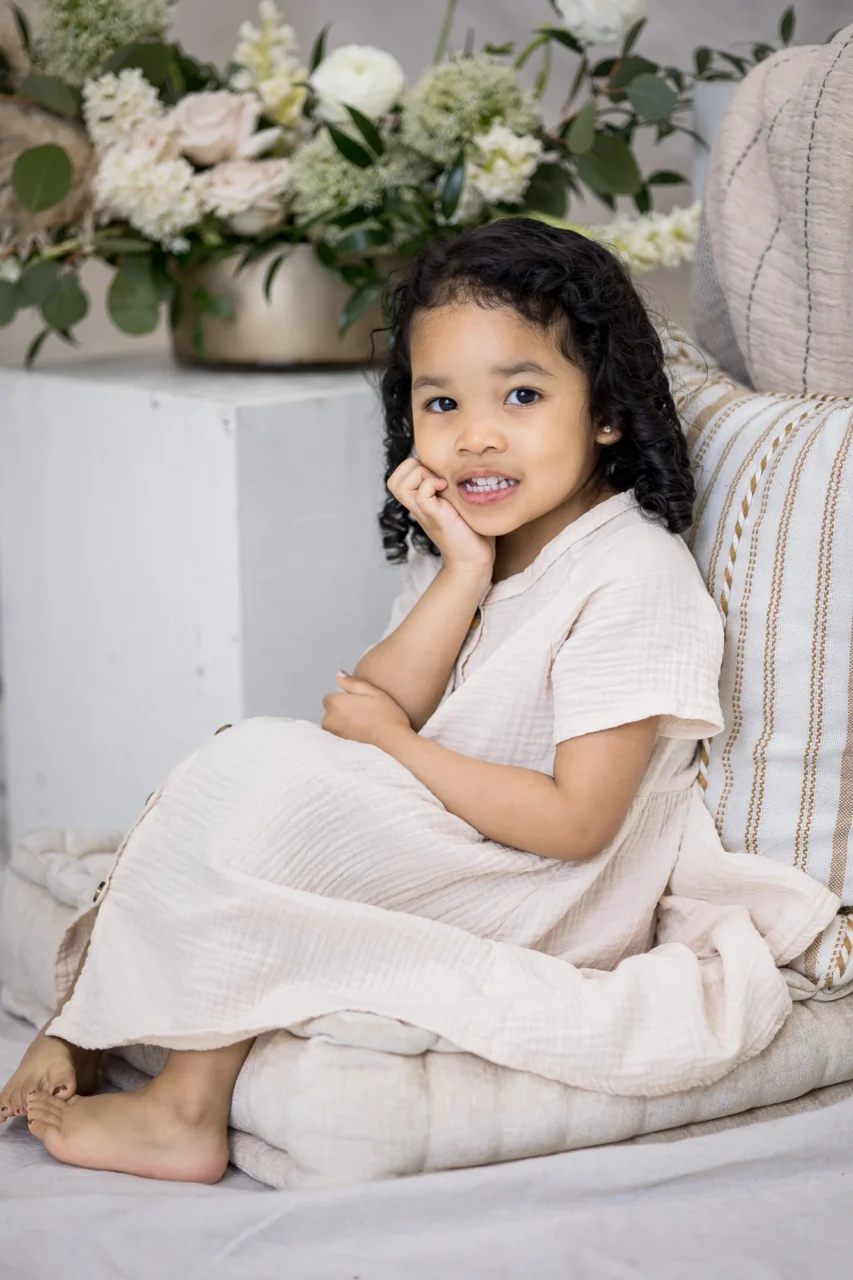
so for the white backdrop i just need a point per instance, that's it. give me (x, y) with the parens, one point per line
(408, 28)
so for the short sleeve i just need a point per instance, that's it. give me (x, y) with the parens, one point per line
(420, 571)
(647, 641)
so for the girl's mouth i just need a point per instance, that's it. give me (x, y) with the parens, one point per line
(481, 491)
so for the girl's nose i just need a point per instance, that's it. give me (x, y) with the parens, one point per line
(476, 435)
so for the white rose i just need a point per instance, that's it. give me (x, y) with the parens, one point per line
(503, 164)
(219, 126)
(600, 21)
(248, 194)
(357, 76)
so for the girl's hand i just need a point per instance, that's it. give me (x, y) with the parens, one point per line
(363, 713)
(419, 491)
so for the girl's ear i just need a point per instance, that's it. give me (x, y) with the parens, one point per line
(605, 434)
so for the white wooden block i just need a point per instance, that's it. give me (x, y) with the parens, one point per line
(178, 550)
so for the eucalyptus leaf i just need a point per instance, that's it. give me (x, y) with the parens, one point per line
(664, 178)
(35, 347)
(53, 94)
(643, 199)
(562, 37)
(325, 253)
(67, 306)
(349, 148)
(546, 191)
(581, 133)
(358, 304)
(37, 283)
(627, 69)
(8, 305)
(740, 64)
(363, 240)
(271, 273)
(787, 25)
(367, 129)
(451, 188)
(610, 169)
(702, 60)
(23, 26)
(132, 303)
(651, 97)
(214, 304)
(500, 50)
(41, 177)
(318, 53)
(632, 36)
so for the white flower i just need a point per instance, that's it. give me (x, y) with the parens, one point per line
(654, 239)
(220, 125)
(147, 183)
(502, 164)
(248, 194)
(283, 95)
(358, 76)
(261, 50)
(269, 67)
(10, 269)
(115, 105)
(600, 21)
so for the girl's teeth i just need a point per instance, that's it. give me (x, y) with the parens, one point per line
(489, 483)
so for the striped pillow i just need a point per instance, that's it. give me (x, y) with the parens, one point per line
(773, 536)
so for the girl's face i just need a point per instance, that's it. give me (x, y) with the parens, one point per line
(503, 416)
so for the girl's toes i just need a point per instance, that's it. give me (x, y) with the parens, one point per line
(43, 1113)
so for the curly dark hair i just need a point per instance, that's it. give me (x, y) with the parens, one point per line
(571, 286)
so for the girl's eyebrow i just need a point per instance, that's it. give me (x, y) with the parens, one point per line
(520, 366)
(500, 370)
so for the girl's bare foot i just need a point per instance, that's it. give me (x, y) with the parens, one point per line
(52, 1066)
(146, 1132)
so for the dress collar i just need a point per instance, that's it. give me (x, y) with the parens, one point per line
(559, 545)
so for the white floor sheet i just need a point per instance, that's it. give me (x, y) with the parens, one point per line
(763, 1202)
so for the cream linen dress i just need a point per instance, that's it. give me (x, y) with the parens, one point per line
(281, 874)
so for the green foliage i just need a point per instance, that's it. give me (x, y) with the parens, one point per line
(450, 191)
(609, 168)
(66, 306)
(349, 148)
(53, 94)
(41, 176)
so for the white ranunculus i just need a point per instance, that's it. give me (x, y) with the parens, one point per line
(219, 125)
(600, 21)
(357, 76)
(502, 164)
(248, 194)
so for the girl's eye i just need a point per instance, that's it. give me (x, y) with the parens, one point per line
(526, 395)
(441, 404)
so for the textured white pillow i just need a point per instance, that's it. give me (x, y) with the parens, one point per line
(773, 536)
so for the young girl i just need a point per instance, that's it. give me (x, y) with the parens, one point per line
(501, 791)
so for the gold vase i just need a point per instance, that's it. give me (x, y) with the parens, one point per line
(297, 326)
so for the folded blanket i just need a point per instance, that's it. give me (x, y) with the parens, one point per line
(773, 300)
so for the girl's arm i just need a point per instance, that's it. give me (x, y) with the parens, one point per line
(572, 816)
(414, 663)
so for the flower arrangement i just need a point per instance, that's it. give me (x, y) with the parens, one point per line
(135, 153)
